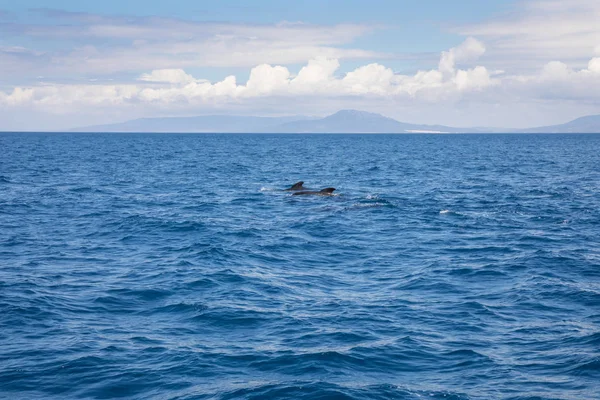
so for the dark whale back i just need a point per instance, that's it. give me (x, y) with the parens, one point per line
(327, 190)
(323, 192)
(297, 186)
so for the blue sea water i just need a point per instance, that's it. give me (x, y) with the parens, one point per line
(173, 267)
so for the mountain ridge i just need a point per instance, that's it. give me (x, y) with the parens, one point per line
(343, 121)
(585, 124)
(197, 124)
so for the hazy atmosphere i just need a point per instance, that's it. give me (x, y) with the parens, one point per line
(496, 63)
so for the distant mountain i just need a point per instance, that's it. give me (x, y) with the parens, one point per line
(344, 121)
(209, 123)
(588, 124)
(352, 121)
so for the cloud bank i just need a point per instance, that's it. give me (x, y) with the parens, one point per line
(317, 78)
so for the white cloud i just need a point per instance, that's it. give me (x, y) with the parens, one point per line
(317, 78)
(470, 50)
(175, 76)
(473, 79)
(17, 97)
(594, 65)
(557, 80)
(372, 78)
(266, 79)
(558, 71)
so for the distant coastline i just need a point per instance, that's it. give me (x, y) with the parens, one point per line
(344, 121)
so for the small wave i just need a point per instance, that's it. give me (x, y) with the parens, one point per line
(466, 358)
(372, 201)
(590, 368)
(591, 339)
(201, 283)
(372, 205)
(451, 213)
(83, 189)
(179, 308)
(479, 272)
(231, 318)
(142, 294)
(325, 390)
(308, 361)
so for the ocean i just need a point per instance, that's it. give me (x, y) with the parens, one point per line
(173, 266)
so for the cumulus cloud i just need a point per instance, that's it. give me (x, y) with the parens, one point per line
(473, 79)
(372, 78)
(559, 71)
(317, 72)
(317, 78)
(594, 65)
(266, 79)
(557, 80)
(470, 50)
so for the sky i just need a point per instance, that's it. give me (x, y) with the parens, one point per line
(494, 63)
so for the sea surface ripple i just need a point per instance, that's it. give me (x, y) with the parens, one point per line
(173, 266)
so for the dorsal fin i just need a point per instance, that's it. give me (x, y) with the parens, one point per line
(297, 186)
(327, 190)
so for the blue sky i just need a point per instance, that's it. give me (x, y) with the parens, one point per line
(494, 63)
(321, 12)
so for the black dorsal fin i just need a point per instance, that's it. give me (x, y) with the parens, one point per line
(327, 190)
(297, 186)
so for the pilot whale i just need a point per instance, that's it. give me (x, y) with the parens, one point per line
(323, 192)
(296, 186)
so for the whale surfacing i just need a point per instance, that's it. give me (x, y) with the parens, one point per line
(323, 192)
(296, 186)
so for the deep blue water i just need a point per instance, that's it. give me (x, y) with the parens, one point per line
(171, 266)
